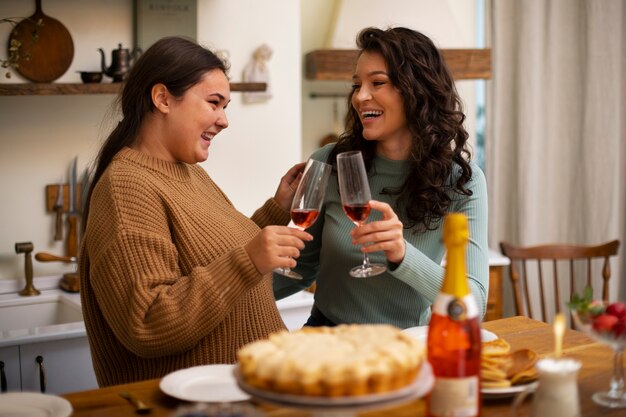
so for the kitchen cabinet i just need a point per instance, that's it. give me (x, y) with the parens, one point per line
(497, 264)
(494, 299)
(58, 366)
(10, 368)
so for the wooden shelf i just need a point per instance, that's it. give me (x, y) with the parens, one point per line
(338, 64)
(36, 89)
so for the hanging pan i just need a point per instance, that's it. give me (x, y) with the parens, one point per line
(46, 47)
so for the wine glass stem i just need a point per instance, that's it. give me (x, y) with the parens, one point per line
(366, 261)
(286, 269)
(617, 380)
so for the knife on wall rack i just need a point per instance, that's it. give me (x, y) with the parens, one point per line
(58, 209)
(72, 215)
(83, 188)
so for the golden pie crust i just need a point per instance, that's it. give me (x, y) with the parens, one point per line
(346, 360)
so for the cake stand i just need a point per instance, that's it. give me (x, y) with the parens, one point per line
(344, 406)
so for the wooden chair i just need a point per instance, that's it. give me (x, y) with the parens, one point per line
(578, 256)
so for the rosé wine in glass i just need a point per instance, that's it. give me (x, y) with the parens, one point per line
(355, 196)
(307, 201)
(304, 218)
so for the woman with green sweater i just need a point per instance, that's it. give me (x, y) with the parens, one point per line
(406, 118)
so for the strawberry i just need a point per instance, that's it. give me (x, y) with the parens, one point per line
(595, 308)
(620, 327)
(617, 309)
(604, 322)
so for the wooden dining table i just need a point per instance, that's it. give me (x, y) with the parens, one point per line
(520, 332)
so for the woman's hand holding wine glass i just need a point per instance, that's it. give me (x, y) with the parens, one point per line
(288, 186)
(307, 201)
(275, 246)
(355, 199)
(383, 235)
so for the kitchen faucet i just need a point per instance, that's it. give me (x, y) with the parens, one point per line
(27, 248)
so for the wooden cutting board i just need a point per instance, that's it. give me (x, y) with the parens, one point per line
(50, 53)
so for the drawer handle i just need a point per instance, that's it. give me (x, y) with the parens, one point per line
(42, 374)
(3, 378)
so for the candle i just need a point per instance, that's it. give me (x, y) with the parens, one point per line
(559, 330)
(557, 393)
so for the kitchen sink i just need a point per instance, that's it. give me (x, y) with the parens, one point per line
(55, 315)
(17, 313)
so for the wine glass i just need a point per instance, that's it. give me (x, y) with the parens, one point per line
(597, 323)
(307, 201)
(355, 197)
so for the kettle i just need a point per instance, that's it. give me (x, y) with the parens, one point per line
(120, 63)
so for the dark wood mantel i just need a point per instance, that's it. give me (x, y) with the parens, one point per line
(48, 89)
(338, 64)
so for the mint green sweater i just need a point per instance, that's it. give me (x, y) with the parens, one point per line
(401, 296)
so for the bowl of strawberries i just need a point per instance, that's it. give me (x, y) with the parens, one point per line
(605, 322)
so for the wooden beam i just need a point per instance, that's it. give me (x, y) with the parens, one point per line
(468, 64)
(338, 64)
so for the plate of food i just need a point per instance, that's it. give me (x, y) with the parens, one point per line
(206, 383)
(421, 333)
(507, 392)
(505, 372)
(418, 388)
(324, 368)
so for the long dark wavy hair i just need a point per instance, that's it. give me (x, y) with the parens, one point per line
(434, 114)
(178, 63)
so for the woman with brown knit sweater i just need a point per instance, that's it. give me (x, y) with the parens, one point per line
(172, 275)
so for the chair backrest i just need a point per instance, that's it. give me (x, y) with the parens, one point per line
(591, 258)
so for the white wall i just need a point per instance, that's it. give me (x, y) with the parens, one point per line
(39, 135)
(263, 140)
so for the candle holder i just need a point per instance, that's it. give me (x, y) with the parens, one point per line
(557, 389)
(557, 394)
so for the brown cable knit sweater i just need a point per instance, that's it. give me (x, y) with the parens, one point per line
(165, 281)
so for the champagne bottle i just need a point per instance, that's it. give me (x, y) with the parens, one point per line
(454, 333)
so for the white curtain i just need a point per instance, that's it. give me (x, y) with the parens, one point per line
(556, 125)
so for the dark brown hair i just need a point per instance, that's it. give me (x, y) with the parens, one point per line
(434, 114)
(174, 61)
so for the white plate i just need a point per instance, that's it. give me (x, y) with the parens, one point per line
(420, 387)
(421, 332)
(508, 391)
(207, 383)
(32, 404)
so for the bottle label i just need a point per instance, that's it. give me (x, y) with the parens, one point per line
(455, 397)
(456, 308)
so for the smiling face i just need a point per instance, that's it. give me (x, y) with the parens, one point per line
(378, 102)
(197, 116)
(187, 125)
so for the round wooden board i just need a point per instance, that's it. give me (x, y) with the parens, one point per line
(50, 55)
